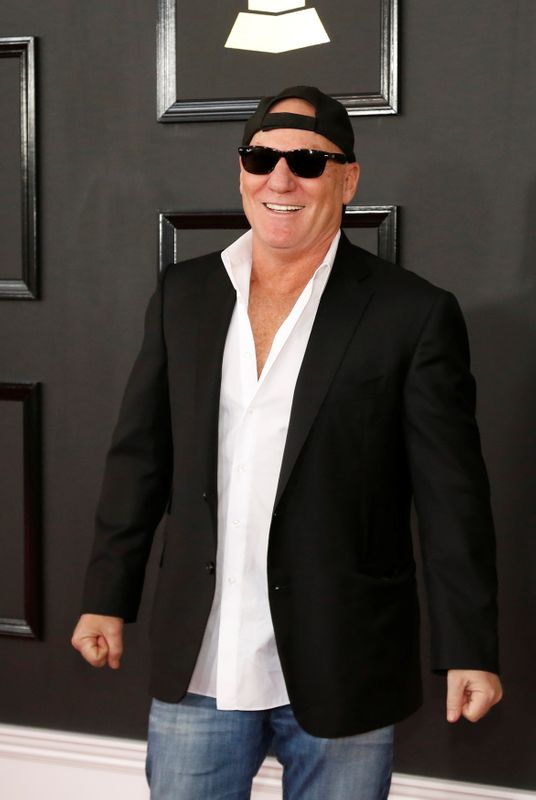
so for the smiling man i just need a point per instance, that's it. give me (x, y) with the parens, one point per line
(292, 395)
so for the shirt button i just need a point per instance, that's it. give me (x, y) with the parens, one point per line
(231, 580)
(236, 523)
(242, 468)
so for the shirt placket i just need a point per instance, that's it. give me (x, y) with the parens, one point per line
(236, 528)
(238, 532)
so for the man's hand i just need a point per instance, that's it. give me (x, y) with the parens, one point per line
(99, 639)
(471, 693)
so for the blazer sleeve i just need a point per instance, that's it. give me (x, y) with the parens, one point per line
(136, 482)
(452, 494)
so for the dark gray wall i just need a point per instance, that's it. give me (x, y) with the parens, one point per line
(461, 161)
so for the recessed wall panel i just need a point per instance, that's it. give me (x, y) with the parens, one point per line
(18, 204)
(20, 511)
(351, 51)
(12, 510)
(11, 254)
(188, 234)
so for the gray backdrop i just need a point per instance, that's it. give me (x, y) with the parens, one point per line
(459, 160)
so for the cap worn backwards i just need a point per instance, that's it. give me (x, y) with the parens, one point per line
(331, 118)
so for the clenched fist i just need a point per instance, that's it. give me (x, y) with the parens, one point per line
(99, 639)
(471, 693)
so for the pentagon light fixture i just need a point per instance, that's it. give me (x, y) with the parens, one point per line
(276, 26)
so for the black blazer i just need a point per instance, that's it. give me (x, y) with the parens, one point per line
(383, 410)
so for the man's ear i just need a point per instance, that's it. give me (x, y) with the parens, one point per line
(240, 174)
(351, 179)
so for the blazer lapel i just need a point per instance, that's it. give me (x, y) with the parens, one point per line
(341, 307)
(217, 303)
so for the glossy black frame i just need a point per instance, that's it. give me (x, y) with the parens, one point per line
(384, 218)
(339, 158)
(27, 288)
(170, 109)
(29, 395)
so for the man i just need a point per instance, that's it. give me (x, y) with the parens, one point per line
(286, 405)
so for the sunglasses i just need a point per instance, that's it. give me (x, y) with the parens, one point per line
(303, 163)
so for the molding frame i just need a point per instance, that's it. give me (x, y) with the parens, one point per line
(170, 109)
(86, 766)
(29, 395)
(27, 288)
(384, 218)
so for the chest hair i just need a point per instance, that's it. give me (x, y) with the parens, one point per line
(267, 311)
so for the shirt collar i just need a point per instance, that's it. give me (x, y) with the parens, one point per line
(237, 260)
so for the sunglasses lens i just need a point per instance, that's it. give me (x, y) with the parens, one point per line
(306, 164)
(259, 160)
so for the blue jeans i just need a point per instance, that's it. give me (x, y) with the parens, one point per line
(196, 752)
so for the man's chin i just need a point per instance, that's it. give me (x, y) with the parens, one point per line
(281, 235)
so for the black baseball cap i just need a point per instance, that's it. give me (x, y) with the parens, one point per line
(331, 119)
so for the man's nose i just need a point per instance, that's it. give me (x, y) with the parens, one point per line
(281, 179)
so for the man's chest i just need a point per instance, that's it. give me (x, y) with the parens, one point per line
(266, 315)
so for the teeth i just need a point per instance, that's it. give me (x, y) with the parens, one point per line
(277, 207)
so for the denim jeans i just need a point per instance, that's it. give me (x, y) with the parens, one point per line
(196, 752)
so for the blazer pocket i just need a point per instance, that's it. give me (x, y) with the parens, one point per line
(363, 590)
(390, 601)
(402, 575)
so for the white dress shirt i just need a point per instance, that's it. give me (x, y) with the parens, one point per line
(238, 663)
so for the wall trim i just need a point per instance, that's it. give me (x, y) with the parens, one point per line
(76, 764)
(385, 219)
(28, 537)
(170, 108)
(414, 787)
(24, 49)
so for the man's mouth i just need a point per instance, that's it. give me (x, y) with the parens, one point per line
(282, 209)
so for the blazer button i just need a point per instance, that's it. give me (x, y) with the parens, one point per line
(209, 566)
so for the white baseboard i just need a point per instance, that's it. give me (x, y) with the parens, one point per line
(413, 787)
(36, 763)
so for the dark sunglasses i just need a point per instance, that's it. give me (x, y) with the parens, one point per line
(303, 163)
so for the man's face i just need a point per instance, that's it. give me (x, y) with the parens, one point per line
(293, 214)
